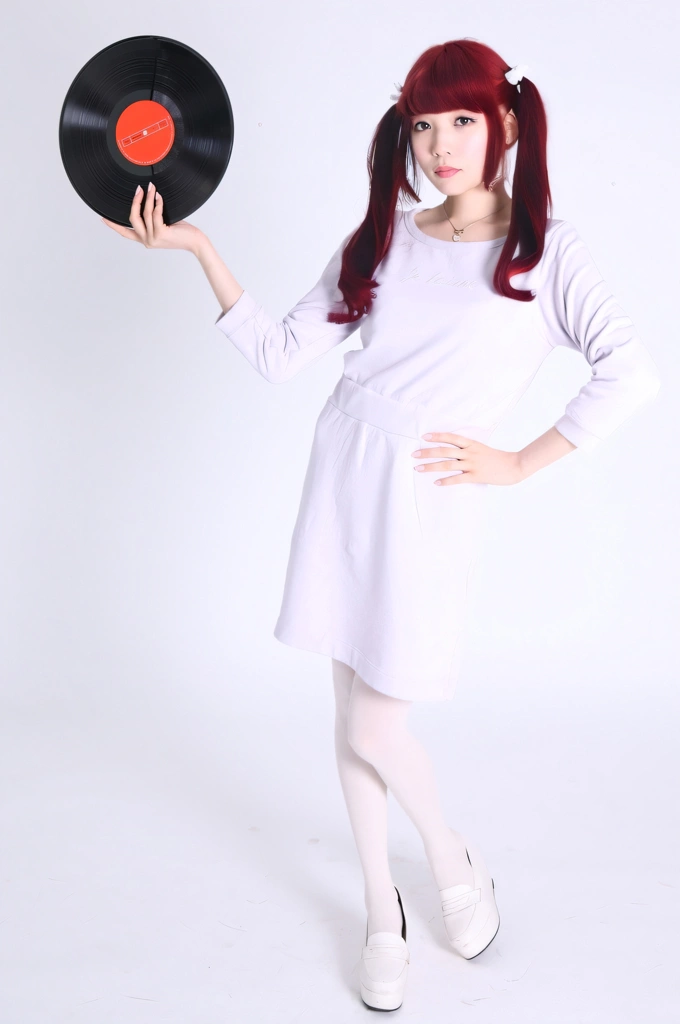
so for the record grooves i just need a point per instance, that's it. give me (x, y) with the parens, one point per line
(146, 108)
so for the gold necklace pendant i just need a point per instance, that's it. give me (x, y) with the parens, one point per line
(456, 234)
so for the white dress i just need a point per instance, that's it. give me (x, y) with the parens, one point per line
(380, 557)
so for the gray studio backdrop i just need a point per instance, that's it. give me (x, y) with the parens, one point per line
(170, 804)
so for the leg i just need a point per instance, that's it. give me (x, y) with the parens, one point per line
(366, 798)
(378, 733)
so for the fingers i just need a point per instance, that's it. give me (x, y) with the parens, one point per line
(439, 467)
(148, 213)
(136, 218)
(447, 436)
(458, 478)
(158, 214)
(429, 453)
(125, 232)
(145, 227)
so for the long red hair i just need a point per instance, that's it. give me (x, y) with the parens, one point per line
(459, 75)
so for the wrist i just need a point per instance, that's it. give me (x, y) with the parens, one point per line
(542, 452)
(201, 246)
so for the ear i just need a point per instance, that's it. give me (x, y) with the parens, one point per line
(511, 128)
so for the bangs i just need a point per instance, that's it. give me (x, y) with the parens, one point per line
(451, 82)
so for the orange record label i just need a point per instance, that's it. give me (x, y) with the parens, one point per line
(145, 132)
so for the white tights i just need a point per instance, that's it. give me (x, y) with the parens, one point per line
(375, 752)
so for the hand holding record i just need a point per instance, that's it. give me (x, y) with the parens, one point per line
(151, 109)
(151, 231)
(146, 108)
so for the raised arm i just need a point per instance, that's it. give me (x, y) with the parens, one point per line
(278, 349)
(225, 286)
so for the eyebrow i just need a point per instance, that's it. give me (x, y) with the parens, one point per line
(459, 110)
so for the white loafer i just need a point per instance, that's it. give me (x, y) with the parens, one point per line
(384, 967)
(471, 916)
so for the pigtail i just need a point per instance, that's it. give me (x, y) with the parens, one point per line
(387, 157)
(531, 198)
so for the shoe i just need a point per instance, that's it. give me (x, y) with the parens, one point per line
(384, 967)
(470, 933)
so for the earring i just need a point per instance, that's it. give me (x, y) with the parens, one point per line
(497, 178)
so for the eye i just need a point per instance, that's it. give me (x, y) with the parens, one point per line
(461, 117)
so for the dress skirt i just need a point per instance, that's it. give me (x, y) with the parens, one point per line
(380, 557)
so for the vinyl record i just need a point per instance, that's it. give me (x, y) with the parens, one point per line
(146, 108)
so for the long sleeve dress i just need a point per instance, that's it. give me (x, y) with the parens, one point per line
(380, 559)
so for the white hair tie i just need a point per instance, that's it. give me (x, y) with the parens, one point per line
(394, 96)
(516, 74)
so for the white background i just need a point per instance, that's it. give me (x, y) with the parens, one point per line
(175, 846)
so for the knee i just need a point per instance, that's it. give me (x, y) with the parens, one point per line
(375, 723)
(367, 738)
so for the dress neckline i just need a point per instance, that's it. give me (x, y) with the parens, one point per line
(421, 236)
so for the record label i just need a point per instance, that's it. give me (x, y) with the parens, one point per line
(145, 132)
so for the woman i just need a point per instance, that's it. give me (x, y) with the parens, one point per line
(380, 558)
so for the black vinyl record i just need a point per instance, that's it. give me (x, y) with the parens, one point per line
(146, 108)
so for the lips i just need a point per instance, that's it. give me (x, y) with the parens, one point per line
(446, 172)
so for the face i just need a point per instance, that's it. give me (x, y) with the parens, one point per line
(456, 138)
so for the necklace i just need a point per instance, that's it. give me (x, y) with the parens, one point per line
(457, 232)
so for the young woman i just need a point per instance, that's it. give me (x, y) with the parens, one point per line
(458, 306)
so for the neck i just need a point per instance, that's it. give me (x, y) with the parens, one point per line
(476, 203)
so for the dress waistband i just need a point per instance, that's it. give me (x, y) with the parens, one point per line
(367, 405)
(388, 414)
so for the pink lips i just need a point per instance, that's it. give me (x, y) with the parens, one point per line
(447, 172)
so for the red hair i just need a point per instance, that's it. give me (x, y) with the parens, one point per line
(459, 75)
